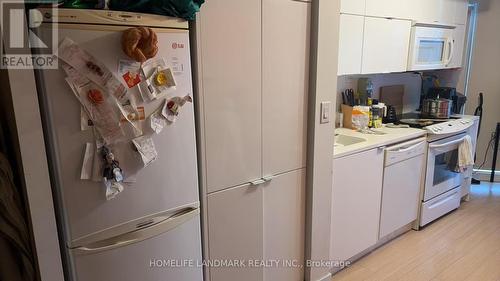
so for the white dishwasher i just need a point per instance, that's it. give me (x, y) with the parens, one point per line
(403, 167)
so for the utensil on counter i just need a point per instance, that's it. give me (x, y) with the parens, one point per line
(348, 97)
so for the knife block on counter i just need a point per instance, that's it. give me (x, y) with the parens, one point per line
(347, 116)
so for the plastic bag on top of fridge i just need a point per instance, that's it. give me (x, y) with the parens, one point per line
(185, 9)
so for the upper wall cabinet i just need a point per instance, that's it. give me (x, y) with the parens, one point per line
(461, 8)
(441, 11)
(350, 44)
(458, 46)
(374, 35)
(231, 84)
(400, 9)
(428, 11)
(386, 45)
(253, 89)
(355, 7)
(285, 73)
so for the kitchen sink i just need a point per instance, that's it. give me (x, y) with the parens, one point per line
(343, 140)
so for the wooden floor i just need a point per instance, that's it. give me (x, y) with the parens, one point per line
(464, 245)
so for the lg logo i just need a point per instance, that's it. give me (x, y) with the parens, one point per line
(177, 45)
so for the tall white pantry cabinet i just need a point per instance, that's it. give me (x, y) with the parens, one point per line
(251, 95)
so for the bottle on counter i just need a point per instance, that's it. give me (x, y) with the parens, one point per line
(365, 90)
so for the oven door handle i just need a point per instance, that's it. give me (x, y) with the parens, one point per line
(447, 144)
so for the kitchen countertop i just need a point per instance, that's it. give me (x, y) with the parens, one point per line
(392, 136)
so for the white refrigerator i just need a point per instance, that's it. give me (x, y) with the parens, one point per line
(150, 231)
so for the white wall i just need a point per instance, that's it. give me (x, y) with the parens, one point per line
(485, 75)
(324, 49)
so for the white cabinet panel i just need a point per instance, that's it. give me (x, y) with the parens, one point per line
(461, 11)
(284, 220)
(263, 222)
(285, 84)
(431, 11)
(231, 86)
(235, 225)
(401, 9)
(400, 194)
(459, 41)
(386, 45)
(356, 7)
(441, 11)
(350, 44)
(356, 203)
(427, 11)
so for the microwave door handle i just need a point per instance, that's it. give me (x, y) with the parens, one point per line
(447, 144)
(451, 47)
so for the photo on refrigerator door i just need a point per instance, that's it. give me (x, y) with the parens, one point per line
(22, 46)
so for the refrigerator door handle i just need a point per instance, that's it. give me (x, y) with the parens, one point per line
(125, 239)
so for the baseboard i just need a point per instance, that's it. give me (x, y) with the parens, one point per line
(484, 175)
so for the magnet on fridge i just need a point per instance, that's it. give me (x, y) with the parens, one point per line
(131, 79)
(173, 106)
(112, 174)
(95, 96)
(165, 77)
(94, 68)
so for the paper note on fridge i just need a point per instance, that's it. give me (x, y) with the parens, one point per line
(104, 116)
(157, 122)
(85, 64)
(130, 72)
(146, 148)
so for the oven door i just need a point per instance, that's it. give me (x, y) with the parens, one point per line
(442, 171)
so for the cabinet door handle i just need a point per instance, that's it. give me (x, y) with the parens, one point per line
(257, 182)
(268, 178)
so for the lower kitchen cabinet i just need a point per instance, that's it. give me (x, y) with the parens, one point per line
(356, 198)
(235, 231)
(261, 222)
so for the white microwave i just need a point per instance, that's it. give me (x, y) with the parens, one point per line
(431, 47)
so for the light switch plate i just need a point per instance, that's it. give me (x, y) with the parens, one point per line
(325, 112)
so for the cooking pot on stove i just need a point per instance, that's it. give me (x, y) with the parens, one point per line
(437, 108)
